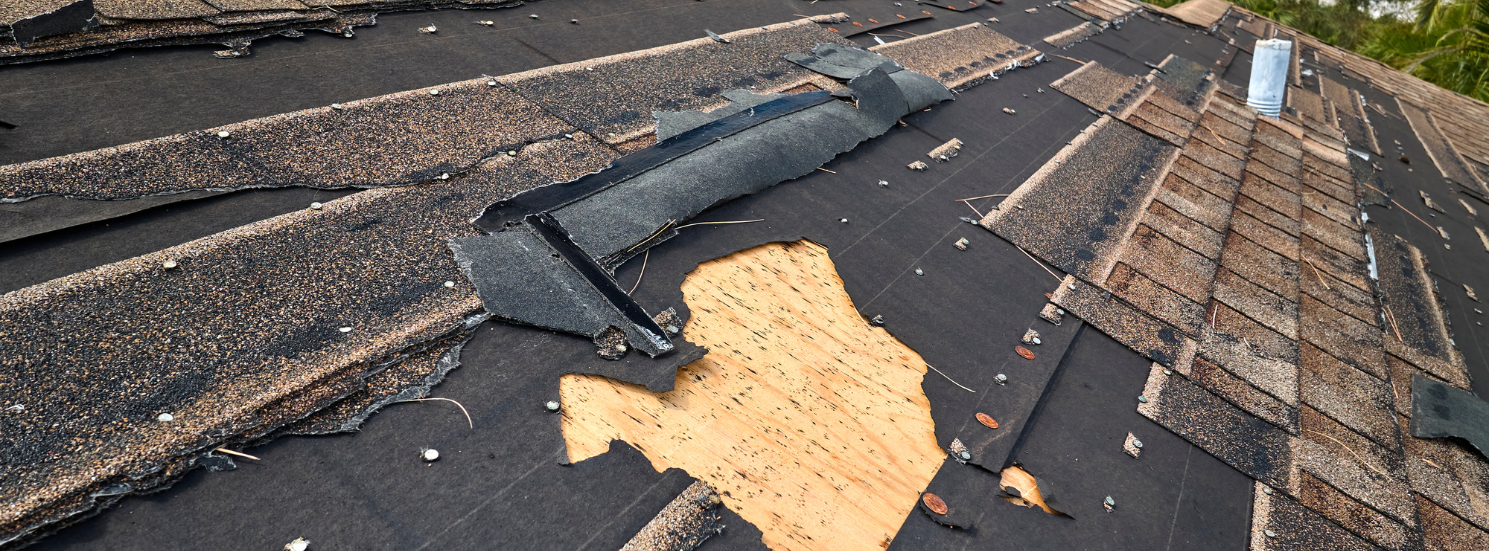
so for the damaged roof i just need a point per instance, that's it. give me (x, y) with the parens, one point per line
(719, 275)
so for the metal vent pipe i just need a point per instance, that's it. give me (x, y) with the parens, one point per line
(1269, 64)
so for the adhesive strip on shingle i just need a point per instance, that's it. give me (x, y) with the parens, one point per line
(613, 97)
(1079, 208)
(153, 9)
(514, 210)
(843, 63)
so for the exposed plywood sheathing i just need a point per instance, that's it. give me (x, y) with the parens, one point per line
(810, 423)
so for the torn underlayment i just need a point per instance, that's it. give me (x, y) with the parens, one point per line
(550, 258)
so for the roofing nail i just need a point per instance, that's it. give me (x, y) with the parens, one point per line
(1267, 490)
(336, 106)
(844, 220)
(574, 21)
(1167, 372)
(1001, 379)
(486, 23)
(165, 418)
(449, 284)
(919, 272)
(552, 405)
(168, 264)
(512, 153)
(429, 455)
(883, 183)
(533, 16)
(444, 176)
(673, 329)
(316, 206)
(620, 348)
(222, 134)
(966, 455)
(1143, 399)
(300, 544)
(491, 83)
(345, 329)
(1137, 443)
(1270, 533)
(429, 30)
(434, 92)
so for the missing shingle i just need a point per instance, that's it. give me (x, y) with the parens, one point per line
(769, 313)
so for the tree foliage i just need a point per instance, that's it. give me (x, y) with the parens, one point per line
(1445, 42)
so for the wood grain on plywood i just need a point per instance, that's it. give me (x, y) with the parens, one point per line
(810, 423)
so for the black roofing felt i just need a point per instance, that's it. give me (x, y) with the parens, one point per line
(503, 485)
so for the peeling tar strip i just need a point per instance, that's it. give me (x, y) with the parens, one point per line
(511, 211)
(594, 224)
(533, 274)
(1439, 410)
(683, 525)
(612, 225)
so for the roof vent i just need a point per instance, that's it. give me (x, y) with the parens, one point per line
(1269, 76)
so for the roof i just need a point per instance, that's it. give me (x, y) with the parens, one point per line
(750, 324)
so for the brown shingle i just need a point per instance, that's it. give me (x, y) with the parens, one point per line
(1276, 240)
(1261, 266)
(1217, 184)
(1194, 202)
(1275, 312)
(1353, 464)
(1353, 397)
(1356, 342)
(1184, 230)
(1170, 264)
(1240, 393)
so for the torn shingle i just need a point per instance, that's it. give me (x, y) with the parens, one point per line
(1251, 445)
(1440, 411)
(1099, 185)
(1102, 89)
(29, 20)
(683, 524)
(961, 57)
(1137, 330)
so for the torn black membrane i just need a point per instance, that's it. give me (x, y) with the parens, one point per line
(1440, 411)
(551, 254)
